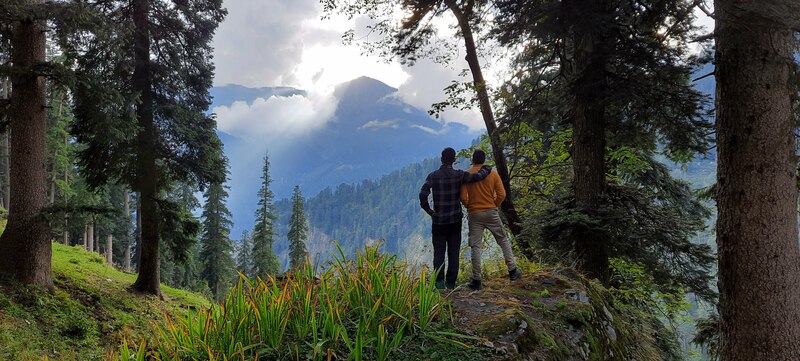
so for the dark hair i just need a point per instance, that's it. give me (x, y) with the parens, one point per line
(478, 156)
(448, 156)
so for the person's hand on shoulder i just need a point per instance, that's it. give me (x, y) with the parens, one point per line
(487, 167)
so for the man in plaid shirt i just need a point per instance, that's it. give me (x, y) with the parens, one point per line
(446, 215)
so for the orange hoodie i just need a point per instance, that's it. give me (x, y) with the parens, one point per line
(483, 195)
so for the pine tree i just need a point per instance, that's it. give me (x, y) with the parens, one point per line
(216, 256)
(244, 255)
(298, 231)
(757, 239)
(169, 136)
(264, 259)
(620, 79)
(25, 251)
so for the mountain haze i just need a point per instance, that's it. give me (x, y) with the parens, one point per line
(371, 133)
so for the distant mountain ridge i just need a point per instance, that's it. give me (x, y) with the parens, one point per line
(372, 133)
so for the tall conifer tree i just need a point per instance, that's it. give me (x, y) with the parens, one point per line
(244, 255)
(25, 245)
(264, 259)
(620, 75)
(168, 137)
(216, 255)
(298, 231)
(757, 240)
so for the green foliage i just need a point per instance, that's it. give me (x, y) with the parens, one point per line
(298, 231)
(634, 285)
(216, 255)
(244, 255)
(707, 335)
(365, 308)
(264, 261)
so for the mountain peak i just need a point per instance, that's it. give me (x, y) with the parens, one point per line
(363, 86)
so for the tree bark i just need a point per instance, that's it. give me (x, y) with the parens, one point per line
(588, 141)
(148, 280)
(126, 258)
(513, 219)
(4, 166)
(25, 250)
(757, 239)
(86, 237)
(90, 234)
(109, 250)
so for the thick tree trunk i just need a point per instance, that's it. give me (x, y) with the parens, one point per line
(126, 257)
(588, 143)
(148, 280)
(25, 250)
(109, 250)
(4, 166)
(90, 234)
(757, 239)
(512, 216)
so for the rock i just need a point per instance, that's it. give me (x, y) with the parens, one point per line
(488, 343)
(577, 295)
(612, 333)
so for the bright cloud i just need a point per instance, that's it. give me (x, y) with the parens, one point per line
(276, 116)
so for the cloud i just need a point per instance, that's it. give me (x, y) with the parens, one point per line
(426, 129)
(378, 124)
(280, 42)
(276, 116)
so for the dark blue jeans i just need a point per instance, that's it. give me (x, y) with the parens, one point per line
(446, 239)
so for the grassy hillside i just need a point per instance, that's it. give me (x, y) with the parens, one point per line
(87, 316)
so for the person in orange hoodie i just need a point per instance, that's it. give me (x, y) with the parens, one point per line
(482, 200)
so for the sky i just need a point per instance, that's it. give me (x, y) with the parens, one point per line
(286, 43)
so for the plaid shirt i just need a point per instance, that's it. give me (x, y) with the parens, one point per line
(446, 184)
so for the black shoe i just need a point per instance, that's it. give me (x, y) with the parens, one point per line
(474, 285)
(450, 286)
(514, 274)
(439, 285)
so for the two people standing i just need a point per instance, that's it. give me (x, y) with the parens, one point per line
(478, 189)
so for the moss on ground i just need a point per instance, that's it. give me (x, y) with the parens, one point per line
(88, 315)
(557, 314)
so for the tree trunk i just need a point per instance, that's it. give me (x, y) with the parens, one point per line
(66, 195)
(126, 258)
(138, 230)
(53, 169)
(757, 239)
(148, 280)
(86, 237)
(109, 250)
(4, 166)
(25, 250)
(588, 142)
(90, 234)
(512, 216)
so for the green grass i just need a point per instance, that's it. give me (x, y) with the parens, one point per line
(369, 307)
(88, 316)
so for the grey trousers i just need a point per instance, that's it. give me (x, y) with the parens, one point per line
(488, 219)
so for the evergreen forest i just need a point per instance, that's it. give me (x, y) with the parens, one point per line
(641, 157)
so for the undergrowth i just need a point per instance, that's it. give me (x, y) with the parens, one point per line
(363, 308)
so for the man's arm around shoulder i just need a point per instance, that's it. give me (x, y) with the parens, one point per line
(468, 177)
